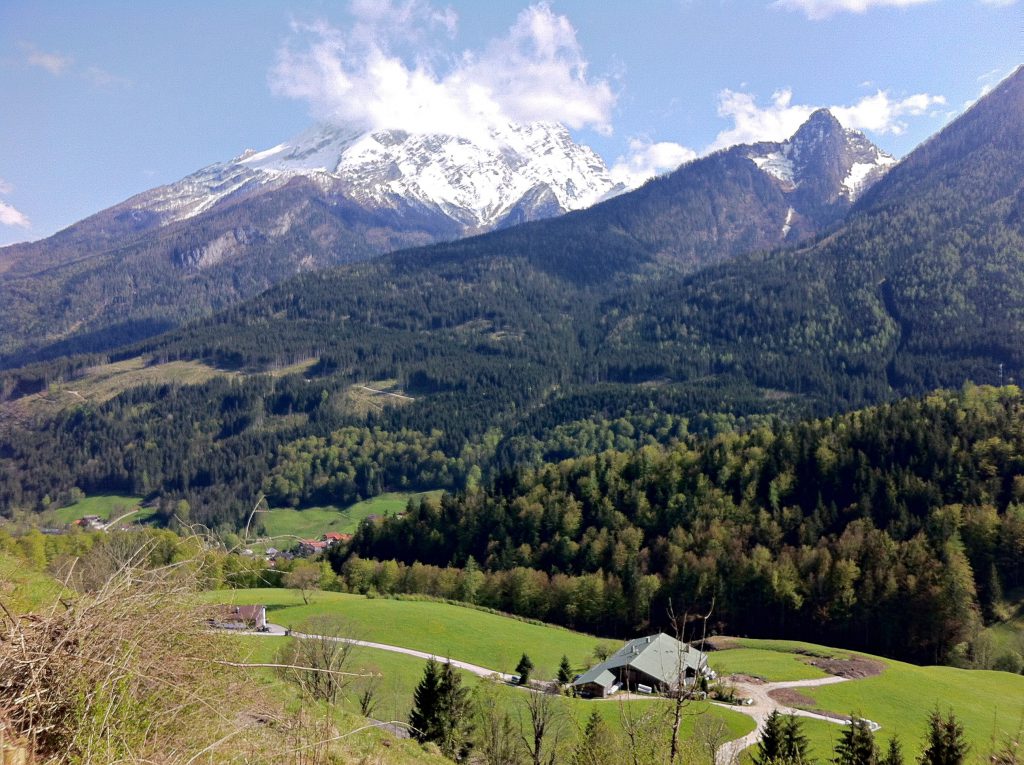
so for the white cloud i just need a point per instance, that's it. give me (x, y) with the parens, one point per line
(54, 63)
(12, 217)
(752, 123)
(646, 160)
(822, 9)
(5, 187)
(537, 71)
(878, 113)
(999, 3)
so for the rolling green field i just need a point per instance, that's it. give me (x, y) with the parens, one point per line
(106, 506)
(311, 522)
(901, 697)
(489, 640)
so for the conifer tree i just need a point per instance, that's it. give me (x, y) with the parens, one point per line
(770, 747)
(894, 754)
(794, 745)
(454, 715)
(426, 704)
(945, 744)
(597, 745)
(856, 744)
(564, 671)
(524, 668)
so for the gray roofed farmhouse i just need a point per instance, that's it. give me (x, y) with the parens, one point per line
(658, 662)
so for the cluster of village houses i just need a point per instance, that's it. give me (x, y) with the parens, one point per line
(304, 549)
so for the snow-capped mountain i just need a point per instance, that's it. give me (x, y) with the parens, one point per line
(824, 153)
(531, 171)
(823, 168)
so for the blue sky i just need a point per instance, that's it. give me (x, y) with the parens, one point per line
(101, 100)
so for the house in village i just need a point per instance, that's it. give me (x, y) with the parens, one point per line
(241, 618)
(655, 664)
(311, 547)
(334, 537)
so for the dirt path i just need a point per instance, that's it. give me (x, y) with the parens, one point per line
(763, 705)
(386, 393)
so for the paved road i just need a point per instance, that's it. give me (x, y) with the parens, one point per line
(764, 705)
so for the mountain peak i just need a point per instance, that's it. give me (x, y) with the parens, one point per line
(824, 159)
(474, 183)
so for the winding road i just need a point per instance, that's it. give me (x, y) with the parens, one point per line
(728, 754)
(763, 705)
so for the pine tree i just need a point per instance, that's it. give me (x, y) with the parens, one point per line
(523, 669)
(795, 745)
(426, 704)
(454, 715)
(597, 745)
(564, 671)
(894, 754)
(945, 744)
(856, 744)
(770, 747)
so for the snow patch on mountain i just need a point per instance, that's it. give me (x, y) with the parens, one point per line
(778, 165)
(788, 224)
(861, 172)
(477, 184)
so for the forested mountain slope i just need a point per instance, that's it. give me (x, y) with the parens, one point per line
(923, 286)
(139, 269)
(558, 338)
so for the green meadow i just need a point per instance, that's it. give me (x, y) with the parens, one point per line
(990, 705)
(443, 629)
(106, 506)
(311, 522)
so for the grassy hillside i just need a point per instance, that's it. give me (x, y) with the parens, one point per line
(772, 660)
(106, 506)
(899, 698)
(489, 640)
(311, 522)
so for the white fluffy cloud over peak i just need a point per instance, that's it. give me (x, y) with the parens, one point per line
(879, 113)
(363, 74)
(646, 160)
